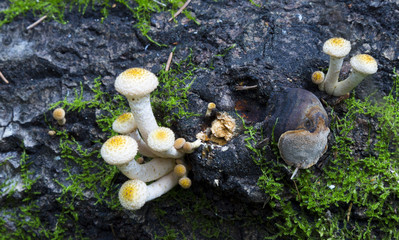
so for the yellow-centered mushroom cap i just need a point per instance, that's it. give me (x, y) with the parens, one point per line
(364, 63)
(180, 170)
(317, 77)
(124, 124)
(133, 194)
(119, 150)
(136, 82)
(185, 182)
(161, 139)
(337, 47)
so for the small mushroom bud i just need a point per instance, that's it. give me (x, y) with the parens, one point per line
(180, 170)
(318, 77)
(185, 182)
(59, 115)
(189, 147)
(211, 106)
(179, 143)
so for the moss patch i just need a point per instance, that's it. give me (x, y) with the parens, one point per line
(355, 195)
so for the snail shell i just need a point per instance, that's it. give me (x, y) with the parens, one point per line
(301, 128)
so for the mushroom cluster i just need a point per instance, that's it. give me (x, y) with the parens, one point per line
(362, 66)
(140, 133)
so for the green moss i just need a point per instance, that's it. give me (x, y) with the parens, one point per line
(170, 100)
(322, 202)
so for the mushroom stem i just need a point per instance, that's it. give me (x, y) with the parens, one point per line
(143, 148)
(143, 115)
(348, 84)
(149, 171)
(294, 173)
(161, 186)
(190, 147)
(331, 78)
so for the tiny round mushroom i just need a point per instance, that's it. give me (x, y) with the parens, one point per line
(180, 170)
(134, 193)
(211, 106)
(362, 66)
(136, 84)
(337, 49)
(190, 147)
(185, 182)
(179, 143)
(121, 150)
(59, 115)
(161, 141)
(318, 77)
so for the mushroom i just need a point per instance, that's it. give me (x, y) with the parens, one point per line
(189, 147)
(59, 115)
(362, 66)
(125, 124)
(136, 84)
(185, 182)
(300, 125)
(337, 48)
(161, 141)
(211, 106)
(179, 143)
(121, 150)
(134, 193)
(318, 77)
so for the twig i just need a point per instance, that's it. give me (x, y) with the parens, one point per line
(296, 187)
(36, 23)
(3, 78)
(349, 212)
(240, 88)
(180, 10)
(169, 61)
(162, 4)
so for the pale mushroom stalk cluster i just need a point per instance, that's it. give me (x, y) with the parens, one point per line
(141, 134)
(362, 66)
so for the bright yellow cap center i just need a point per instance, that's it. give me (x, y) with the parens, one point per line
(135, 72)
(115, 142)
(366, 58)
(128, 192)
(161, 135)
(125, 117)
(338, 41)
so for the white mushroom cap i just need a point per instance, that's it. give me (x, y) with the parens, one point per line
(133, 194)
(161, 139)
(136, 82)
(124, 124)
(119, 150)
(364, 63)
(337, 47)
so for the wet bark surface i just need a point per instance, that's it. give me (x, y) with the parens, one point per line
(277, 45)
